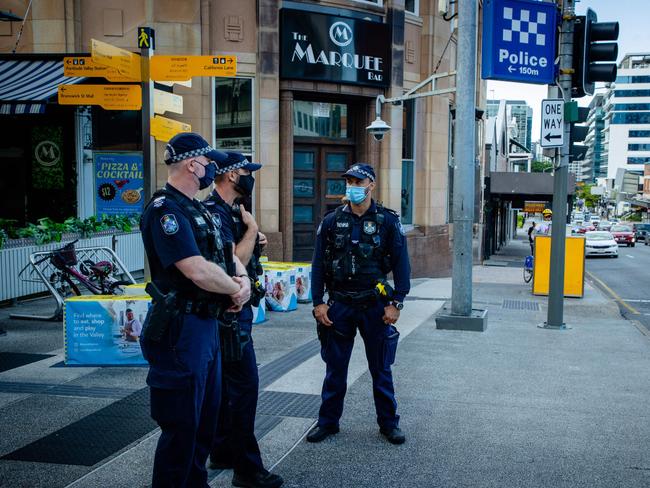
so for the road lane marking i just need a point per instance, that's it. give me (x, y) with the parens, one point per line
(635, 300)
(630, 256)
(614, 295)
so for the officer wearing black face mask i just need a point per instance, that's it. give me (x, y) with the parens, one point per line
(235, 445)
(190, 288)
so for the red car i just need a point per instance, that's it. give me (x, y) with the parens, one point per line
(585, 228)
(623, 234)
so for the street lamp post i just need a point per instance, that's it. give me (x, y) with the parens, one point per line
(461, 315)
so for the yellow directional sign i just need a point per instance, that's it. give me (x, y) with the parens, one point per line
(110, 97)
(126, 62)
(163, 129)
(181, 68)
(87, 67)
(167, 102)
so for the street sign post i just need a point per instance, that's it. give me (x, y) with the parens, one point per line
(109, 97)
(163, 129)
(552, 122)
(182, 68)
(519, 40)
(126, 62)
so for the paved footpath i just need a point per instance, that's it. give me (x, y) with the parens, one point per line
(515, 406)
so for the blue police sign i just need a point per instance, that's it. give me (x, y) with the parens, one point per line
(519, 39)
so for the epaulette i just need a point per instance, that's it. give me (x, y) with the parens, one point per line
(158, 201)
(389, 210)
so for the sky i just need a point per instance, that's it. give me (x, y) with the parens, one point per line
(634, 37)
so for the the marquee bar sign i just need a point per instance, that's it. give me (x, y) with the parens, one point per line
(336, 49)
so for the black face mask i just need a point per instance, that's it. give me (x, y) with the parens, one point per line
(245, 185)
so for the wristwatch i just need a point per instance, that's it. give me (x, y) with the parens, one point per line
(397, 305)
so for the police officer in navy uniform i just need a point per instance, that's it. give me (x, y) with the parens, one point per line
(192, 288)
(235, 445)
(357, 245)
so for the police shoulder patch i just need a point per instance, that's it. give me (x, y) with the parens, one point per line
(320, 226)
(169, 224)
(401, 228)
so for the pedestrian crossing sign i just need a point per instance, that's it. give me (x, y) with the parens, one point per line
(145, 38)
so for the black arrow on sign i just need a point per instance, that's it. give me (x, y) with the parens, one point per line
(548, 137)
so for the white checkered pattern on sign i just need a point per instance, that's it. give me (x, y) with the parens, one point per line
(523, 29)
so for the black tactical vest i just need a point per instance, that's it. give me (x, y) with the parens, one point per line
(254, 267)
(356, 266)
(205, 228)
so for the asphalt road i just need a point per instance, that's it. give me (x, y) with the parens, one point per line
(626, 280)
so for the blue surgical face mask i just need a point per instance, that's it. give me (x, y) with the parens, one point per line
(356, 194)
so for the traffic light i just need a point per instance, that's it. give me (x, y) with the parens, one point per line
(589, 53)
(578, 149)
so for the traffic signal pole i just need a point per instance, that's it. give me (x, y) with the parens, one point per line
(555, 317)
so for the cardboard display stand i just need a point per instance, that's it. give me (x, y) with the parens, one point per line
(280, 286)
(104, 330)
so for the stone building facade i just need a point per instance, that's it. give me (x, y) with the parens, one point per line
(304, 126)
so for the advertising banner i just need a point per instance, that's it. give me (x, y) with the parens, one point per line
(119, 183)
(333, 48)
(104, 330)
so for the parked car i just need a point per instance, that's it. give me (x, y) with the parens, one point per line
(623, 234)
(600, 243)
(641, 232)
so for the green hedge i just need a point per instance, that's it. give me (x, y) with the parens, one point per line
(45, 230)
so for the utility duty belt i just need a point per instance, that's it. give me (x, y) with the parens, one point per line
(166, 307)
(200, 307)
(382, 290)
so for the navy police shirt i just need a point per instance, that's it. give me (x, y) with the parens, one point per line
(391, 232)
(168, 238)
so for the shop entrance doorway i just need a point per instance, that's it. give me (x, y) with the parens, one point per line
(317, 189)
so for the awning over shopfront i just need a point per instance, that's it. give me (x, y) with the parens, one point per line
(520, 187)
(26, 85)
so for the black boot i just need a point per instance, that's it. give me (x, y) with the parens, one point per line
(318, 433)
(260, 479)
(394, 435)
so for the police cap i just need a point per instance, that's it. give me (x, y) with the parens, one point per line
(235, 160)
(361, 171)
(190, 145)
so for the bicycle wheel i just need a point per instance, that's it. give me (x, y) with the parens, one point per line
(64, 285)
(528, 275)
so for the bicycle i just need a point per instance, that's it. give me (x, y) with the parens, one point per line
(96, 277)
(528, 269)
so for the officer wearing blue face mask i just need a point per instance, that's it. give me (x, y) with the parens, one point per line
(194, 281)
(357, 245)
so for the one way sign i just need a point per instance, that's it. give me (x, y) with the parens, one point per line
(552, 122)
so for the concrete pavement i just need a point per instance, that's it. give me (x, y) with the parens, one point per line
(515, 406)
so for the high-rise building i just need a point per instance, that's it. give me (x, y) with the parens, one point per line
(523, 115)
(594, 165)
(626, 141)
